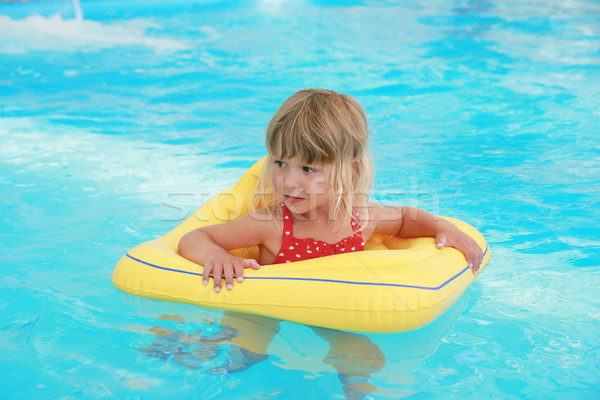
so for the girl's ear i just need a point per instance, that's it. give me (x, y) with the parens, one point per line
(355, 166)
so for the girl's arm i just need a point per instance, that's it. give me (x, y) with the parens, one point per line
(208, 246)
(411, 222)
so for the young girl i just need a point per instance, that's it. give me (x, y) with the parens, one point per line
(311, 201)
(314, 189)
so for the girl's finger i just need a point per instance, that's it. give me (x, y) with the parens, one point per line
(217, 275)
(206, 272)
(251, 263)
(239, 270)
(441, 241)
(477, 259)
(475, 266)
(229, 268)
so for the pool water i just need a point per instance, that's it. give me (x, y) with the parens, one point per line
(117, 124)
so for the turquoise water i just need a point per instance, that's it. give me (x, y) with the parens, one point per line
(116, 125)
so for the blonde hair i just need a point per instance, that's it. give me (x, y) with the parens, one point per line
(322, 126)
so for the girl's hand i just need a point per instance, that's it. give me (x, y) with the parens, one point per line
(226, 265)
(454, 237)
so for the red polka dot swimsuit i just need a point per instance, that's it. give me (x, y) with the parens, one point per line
(295, 249)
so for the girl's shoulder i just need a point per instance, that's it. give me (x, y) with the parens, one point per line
(369, 216)
(384, 219)
(377, 211)
(268, 218)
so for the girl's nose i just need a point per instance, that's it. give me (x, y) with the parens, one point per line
(291, 180)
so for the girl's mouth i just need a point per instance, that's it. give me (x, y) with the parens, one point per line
(292, 199)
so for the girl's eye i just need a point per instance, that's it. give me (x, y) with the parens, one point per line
(279, 163)
(308, 169)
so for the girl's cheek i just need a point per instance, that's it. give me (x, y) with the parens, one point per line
(277, 181)
(277, 185)
(320, 186)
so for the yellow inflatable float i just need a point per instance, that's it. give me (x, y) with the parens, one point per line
(394, 285)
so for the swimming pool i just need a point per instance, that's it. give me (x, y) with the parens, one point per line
(114, 127)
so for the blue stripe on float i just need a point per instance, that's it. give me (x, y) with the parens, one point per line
(315, 279)
(159, 267)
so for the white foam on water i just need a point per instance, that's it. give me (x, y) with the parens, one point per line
(111, 165)
(54, 33)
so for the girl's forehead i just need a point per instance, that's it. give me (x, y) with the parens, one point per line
(298, 160)
(296, 147)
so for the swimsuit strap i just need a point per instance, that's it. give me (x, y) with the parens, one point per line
(356, 227)
(288, 224)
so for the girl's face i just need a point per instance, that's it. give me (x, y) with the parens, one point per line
(304, 188)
